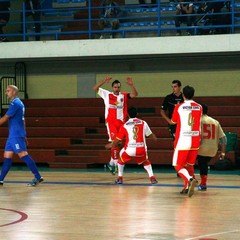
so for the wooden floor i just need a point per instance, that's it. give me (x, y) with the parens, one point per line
(87, 205)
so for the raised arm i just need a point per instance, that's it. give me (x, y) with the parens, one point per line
(134, 92)
(107, 79)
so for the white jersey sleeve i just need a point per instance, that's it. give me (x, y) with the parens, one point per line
(103, 93)
(147, 129)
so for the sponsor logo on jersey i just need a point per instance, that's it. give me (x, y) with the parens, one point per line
(133, 123)
(189, 108)
(191, 133)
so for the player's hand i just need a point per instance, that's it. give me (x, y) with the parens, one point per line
(107, 79)
(221, 156)
(129, 81)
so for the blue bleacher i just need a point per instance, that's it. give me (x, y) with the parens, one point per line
(73, 15)
(52, 28)
(78, 1)
(58, 14)
(63, 1)
(69, 1)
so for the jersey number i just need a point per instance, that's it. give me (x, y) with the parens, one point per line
(135, 132)
(209, 131)
(190, 120)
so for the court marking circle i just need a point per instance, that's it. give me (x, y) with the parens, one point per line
(23, 216)
(203, 237)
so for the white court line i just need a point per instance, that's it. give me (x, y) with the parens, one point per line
(213, 234)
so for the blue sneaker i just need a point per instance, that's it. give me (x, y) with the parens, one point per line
(202, 188)
(35, 182)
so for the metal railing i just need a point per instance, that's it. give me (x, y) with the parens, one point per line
(82, 22)
(19, 80)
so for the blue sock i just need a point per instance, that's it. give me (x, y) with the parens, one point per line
(32, 166)
(5, 168)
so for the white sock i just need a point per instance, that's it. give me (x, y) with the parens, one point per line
(185, 173)
(120, 170)
(112, 162)
(149, 170)
(115, 162)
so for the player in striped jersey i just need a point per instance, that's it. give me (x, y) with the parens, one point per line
(187, 116)
(116, 104)
(135, 131)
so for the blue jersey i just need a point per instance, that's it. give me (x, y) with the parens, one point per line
(16, 121)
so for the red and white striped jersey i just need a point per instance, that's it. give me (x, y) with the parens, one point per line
(187, 116)
(115, 105)
(135, 130)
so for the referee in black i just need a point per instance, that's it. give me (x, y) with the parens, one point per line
(169, 103)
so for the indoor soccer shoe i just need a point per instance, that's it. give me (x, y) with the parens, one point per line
(35, 182)
(184, 191)
(191, 185)
(153, 180)
(202, 188)
(1, 183)
(119, 180)
(111, 169)
(116, 169)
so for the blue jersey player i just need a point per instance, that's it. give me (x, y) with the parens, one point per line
(16, 142)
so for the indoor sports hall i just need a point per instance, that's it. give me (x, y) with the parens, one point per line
(55, 68)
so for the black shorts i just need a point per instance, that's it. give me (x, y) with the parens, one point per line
(172, 130)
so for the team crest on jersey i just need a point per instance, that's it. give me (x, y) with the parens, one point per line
(112, 135)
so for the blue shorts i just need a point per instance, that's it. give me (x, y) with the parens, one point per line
(16, 145)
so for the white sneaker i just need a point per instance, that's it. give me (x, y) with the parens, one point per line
(191, 185)
(101, 37)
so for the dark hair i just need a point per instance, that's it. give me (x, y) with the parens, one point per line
(204, 108)
(188, 92)
(115, 82)
(132, 112)
(177, 82)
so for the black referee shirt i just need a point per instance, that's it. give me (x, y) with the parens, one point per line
(169, 103)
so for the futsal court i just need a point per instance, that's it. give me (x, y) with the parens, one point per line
(87, 205)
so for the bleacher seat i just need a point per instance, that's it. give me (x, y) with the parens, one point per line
(67, 132)
(63, 1)
(68, 3)
(78, 1)
(137, 21)
(59, 14)
(51, 27)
